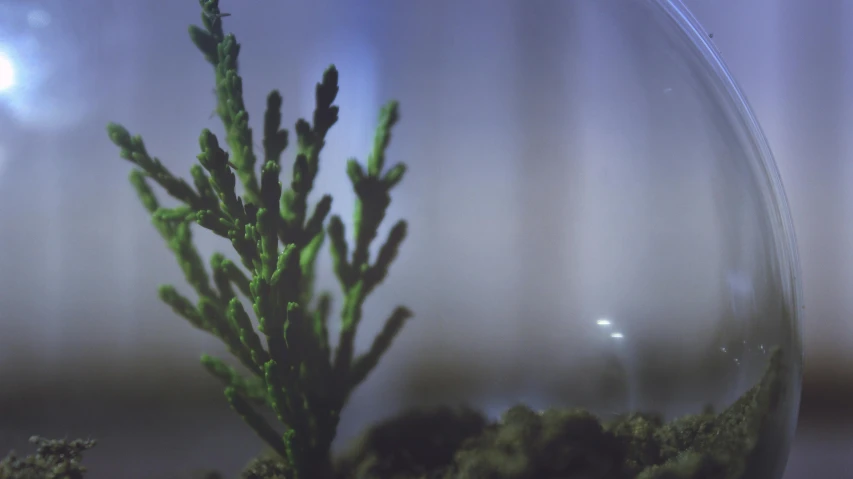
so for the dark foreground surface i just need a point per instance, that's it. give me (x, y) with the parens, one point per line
(171, 436)
(173, 444)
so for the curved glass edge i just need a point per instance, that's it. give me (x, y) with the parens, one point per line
(688, 24)
(782, 221)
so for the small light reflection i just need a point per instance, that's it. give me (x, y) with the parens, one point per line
(603, 322)
(617, 336)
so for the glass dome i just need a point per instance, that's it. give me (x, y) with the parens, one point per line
(598, 252)
(596, 222)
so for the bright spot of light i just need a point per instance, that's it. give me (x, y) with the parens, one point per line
(616, 336)
(7, 72)
(603, 322)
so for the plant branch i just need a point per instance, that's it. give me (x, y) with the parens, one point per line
(292, 369)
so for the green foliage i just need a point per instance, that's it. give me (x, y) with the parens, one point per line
(293, 368)
(54, 459)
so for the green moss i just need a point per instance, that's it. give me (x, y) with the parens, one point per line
(266, 466)
(412, 444)
(569, 443)
(53, 459)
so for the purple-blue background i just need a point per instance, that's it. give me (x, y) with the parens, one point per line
(79, 325)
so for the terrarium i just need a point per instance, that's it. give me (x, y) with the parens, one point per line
(550, 241)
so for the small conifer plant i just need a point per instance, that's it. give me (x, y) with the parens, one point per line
(292, 366)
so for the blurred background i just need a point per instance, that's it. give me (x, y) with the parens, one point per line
(86, 349)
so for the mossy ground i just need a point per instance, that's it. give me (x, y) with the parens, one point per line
(460, 443)
(447, 443)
